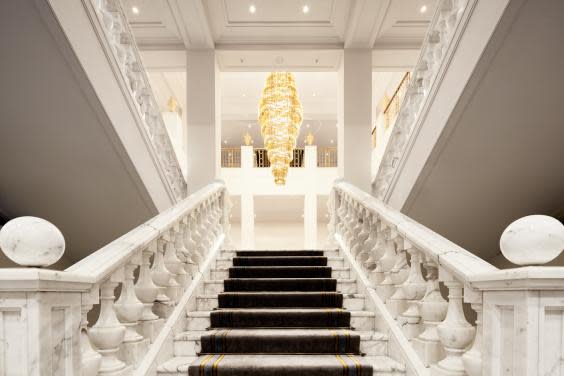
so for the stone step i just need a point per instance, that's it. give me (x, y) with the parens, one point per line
(189, 343)
(382, 366)
(222, 262)
(360, 320)
(337, 272)
(346, 286)
(352, 302)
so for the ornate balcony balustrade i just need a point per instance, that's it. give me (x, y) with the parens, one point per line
(120, 44)
(435, 51)
(155, 268)
(447, 311)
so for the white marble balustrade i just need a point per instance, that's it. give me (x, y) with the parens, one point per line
(435, 50)
(406, 266)
(122, 46)
(135, 283)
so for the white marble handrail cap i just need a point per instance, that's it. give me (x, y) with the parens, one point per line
(32, 241)
(532, 240)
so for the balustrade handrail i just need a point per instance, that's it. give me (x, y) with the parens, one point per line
(457, 260)
(434, 53)
(158, 266)
(404, 81)
(123, 48)
(102, 263)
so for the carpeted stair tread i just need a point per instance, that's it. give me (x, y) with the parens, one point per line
(280, 284)
(280, 365)
(258, 253)
(280, 261)
(284, 318)
(272, 299)
(280, 272)
(281, 341)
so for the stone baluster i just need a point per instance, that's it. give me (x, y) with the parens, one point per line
(161, 276)
(205, 244)
(219, 228)
(372, 244)
(191, 259)
(129, 310)
(189, 239)
(368, 243)
(384, 265)
(146, 291)
(350, 220)
(173, 265)
(108, 333)
(208, 225)
(455, 333)
(472, 358)
(90, 358)
(341, 213)
(355, 225)
(182, 252)
(397, 302)
(363, 233)
(196, 235)
(413, 290)
(433, 309)
(174, 258)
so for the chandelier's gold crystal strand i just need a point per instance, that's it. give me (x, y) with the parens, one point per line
(280, 118)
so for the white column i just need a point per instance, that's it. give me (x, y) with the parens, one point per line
(355, 117)
(310, 198)
(247, 199)
(203, 118)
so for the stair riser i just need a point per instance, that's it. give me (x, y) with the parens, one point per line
(357, 322)
(223, 263)
(231, 254)
(214, 288)
(191, 347)
(208, 304)
(224, 274)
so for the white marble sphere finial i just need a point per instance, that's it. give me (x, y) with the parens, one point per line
(532, 240)
(32, 241)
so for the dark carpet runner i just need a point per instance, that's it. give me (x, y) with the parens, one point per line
(280, 314)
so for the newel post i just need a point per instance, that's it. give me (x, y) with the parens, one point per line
(41, 315)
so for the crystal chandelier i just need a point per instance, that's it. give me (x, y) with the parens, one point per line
(280, 117)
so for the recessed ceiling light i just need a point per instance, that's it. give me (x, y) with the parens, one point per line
(332, 141)
(307, 125)
(313, 95)
(248, 126)
(305, 9)
(423, 9)
(225, 141)
(244, 95)
(135, 10)
(252, 9)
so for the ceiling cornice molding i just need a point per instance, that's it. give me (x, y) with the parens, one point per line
(381, 16)
(179, 21)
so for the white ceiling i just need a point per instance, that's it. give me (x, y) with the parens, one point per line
(280, 34)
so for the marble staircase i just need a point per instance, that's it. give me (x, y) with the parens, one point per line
(291, 334)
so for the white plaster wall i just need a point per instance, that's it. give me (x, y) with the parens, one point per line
(279, 235)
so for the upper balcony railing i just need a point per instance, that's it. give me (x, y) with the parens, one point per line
(122, 47)
(327, 156)
(231, 157)
(435, 51)
(406, 269)
(154, 267)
